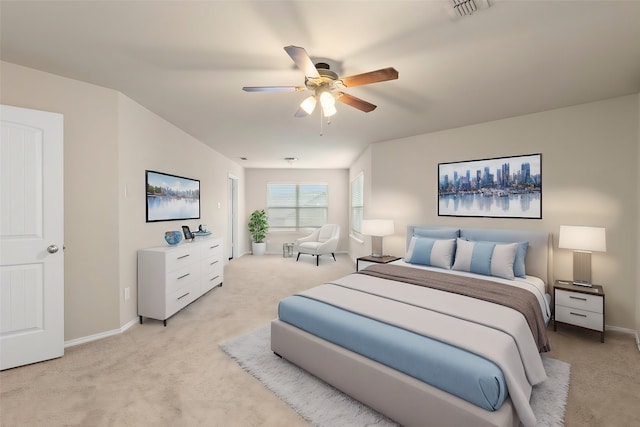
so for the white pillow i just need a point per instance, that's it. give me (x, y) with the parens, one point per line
(432, 252)
(487, 258)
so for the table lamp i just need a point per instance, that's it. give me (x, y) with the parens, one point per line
(583, 240)
(377, 228)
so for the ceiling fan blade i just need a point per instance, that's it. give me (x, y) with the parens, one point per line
(354, 102)
(302, 60)
(273, 88)
(381, 75)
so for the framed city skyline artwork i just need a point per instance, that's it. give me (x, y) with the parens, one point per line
(501, 187)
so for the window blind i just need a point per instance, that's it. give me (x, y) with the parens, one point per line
(294, 206)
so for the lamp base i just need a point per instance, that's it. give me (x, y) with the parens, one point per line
(376, 246)
(581, 267)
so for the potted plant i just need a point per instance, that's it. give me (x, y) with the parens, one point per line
(258, 227)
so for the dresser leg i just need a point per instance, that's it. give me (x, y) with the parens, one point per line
(165, 323)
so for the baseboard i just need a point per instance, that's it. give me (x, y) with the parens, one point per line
(101, 335)
(626, 331)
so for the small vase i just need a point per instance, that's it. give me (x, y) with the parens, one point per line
(173, 237)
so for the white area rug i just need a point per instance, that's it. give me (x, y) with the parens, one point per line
(323, 405)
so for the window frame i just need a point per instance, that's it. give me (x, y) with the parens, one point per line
(356, 210)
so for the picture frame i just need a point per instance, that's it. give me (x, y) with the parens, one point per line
(500, 187)
(171, 197)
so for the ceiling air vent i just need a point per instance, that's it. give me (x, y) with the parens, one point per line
(467, 7)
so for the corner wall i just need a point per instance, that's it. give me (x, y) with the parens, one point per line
(109, 142)
(91, 225)
(589, 166)
(148, 142)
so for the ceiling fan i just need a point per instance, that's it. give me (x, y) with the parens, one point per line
(326, 85)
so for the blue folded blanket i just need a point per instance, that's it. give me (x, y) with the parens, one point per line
(446, 367)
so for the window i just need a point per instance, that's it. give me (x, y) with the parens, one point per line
(357, 204)
(295, 206)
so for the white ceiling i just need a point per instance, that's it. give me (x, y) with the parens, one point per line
(187, 62)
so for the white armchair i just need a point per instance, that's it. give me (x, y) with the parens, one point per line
(324, 240)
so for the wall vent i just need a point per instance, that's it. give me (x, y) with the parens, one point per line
(468, 7)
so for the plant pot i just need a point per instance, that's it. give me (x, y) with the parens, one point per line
(258, 248)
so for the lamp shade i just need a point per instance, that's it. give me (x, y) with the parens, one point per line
(377, 227)
(582, 238)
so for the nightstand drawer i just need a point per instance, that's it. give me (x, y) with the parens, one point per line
(579, 300)
(574, 316)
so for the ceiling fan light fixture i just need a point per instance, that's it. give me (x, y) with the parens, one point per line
(329, 110)
(309, 104)
(328, 103)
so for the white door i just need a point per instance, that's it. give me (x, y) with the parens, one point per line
(31, 237)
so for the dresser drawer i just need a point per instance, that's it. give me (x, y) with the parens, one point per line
(579, 300)
(182, 276)
(211, 264)
(212, 247)
(181, 297)
(184, 255)
(575, 316)
(211, 280)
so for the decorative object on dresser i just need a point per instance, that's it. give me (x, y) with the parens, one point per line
(188, 235)
(579, 306)
(583, 240)
(173, 237)
(377, 229)
(171, 277)
(258, 227)
(365, 261)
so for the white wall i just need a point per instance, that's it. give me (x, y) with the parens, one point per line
(109, 141)
(256, 198)
(90, 190)
(148, 142)
(589, 167)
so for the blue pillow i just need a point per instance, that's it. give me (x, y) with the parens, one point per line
(487, 258)
(431, 252)
(437, 233)
(518, 264)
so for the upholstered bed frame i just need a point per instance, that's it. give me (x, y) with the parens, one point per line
(399, 396)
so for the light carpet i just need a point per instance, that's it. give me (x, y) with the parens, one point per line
(323, 405)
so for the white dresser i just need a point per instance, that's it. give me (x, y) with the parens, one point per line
(171, 277)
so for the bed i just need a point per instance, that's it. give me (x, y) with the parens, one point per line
(451, 335)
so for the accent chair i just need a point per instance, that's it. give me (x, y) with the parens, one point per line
(324, 240)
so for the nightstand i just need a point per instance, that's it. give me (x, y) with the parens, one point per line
(365, 261)
(579, 306)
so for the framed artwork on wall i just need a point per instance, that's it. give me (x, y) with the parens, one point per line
(171, 197)
(501, 187)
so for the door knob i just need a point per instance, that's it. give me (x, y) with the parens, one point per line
(52, 249)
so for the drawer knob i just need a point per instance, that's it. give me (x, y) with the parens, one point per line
(578, 298)
(578, 314)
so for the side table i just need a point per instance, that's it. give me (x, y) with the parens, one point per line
(365, 261)
(579, 306)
